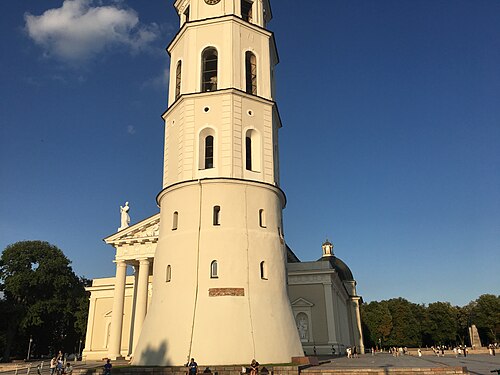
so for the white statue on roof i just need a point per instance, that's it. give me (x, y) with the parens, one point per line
(124, 216)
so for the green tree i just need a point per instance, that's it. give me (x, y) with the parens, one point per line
(439, 327)
(82, 312)
(463, 321)
(486, 316)
(406, 329)
(41, 294)
(377, 321)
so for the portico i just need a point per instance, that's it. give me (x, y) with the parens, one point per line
(135, 246)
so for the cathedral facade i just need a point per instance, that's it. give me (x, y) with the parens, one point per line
(213, 276)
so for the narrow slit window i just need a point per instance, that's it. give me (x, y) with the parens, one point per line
(251, 154)
(251, 73)
(248, 153)
(262, 218)
(178, 75)
(168, 275)
(246, 10)
(263, 270)
(175, 220)
(209, 70)
(216, 215)
(186, 14)
(209, 152)
(214, 270)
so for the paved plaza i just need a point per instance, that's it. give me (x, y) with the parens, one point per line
(475, 363)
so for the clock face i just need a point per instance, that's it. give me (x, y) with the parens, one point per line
(211, 2)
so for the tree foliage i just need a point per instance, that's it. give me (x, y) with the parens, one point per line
(377, 321)
(398, 322)
(406, 327)
(440, 325)
(41, 296)
(485, 314)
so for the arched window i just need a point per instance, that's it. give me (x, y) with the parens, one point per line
(209, 152)
(209, 70)
(251, 73)
(206, 148)
(175, 220)
(178, 75)
(246, 10)
(252, 150)
(216, 215)
(263, 270)
(168, 274)
(248, 153)
(214, 271)
(262, 218)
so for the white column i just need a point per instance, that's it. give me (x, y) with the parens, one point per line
(358, 329)
(132, 315)
(339, 320)
(258, 13)
(115, 338)
(90, 326)
(330, 315)
(142, 298)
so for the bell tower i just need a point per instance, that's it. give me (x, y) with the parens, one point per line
(219, 278)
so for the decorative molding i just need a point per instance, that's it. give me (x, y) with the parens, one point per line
(145, 231)
(302, 302)
(329, 271)
(305, 278)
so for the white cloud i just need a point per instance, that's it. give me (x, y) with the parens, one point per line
(78, 31)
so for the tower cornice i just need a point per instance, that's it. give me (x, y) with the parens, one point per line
(181, 6)
(222, 19)
(220, 92)
(276, 189)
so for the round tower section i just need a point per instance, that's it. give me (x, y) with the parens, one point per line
(222, 257)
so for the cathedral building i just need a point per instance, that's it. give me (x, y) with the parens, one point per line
(213, 276)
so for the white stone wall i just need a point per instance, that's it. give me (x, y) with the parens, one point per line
(99, 319)
(185, 316)
(227, 116)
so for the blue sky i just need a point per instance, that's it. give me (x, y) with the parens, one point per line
(390, 144)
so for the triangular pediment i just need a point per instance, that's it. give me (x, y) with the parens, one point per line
(302, 302)
(146, 230)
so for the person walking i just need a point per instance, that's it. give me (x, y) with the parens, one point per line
(53, 365)
(59, 366)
